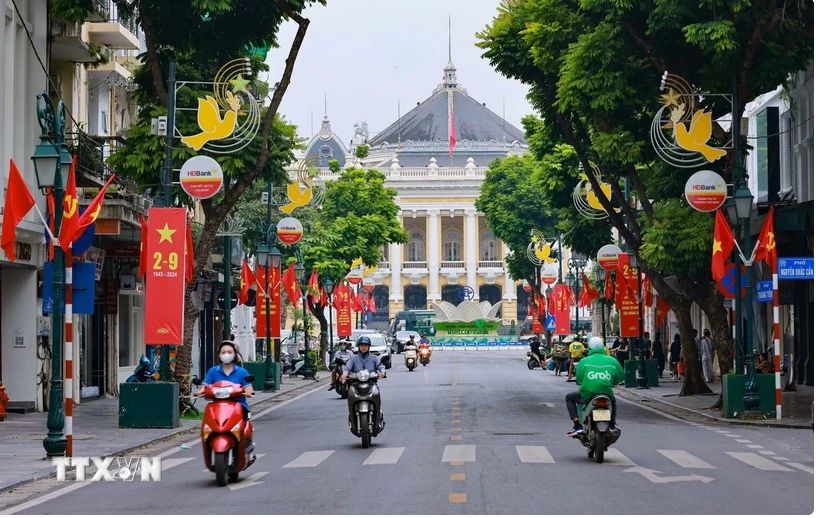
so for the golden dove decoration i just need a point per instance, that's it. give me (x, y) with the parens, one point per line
(539, 249)
(682, 129)
(306, 188)
(230, 118)
(586, 199)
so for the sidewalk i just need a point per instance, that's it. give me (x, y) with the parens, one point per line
(796, 406)
(96, 433)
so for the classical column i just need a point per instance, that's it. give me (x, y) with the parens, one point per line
(396, 268)
(433, 254)
(470, 251)
(509, 285)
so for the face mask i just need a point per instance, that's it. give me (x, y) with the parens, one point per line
(227, 357)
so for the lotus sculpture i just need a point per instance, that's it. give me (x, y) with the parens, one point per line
(467, 311)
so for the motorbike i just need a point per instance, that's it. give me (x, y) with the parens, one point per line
(341, 387)
(410, 357)
(532, 361)
(226, 438)
(286, 361)
(365, 414)
(296, 365)
(424, 356)
(596, 416)
(144, 372)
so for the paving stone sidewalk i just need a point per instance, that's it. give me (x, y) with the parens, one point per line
(796, 406)
(96, 433)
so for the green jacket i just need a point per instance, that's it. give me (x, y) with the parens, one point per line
(597, 374)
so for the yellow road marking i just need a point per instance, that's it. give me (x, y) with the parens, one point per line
(457, 463)
(456, 438)
(457, 476)
(457, 498)
(456, 421)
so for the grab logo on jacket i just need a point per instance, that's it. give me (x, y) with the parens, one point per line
(599, 375)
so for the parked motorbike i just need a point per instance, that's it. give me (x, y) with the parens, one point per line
(144, 372)
(226, 437)
(597, 437)
(286, 361)
(297, 364)
(365, 414)
(424, 356)
(410, 357)
(532, 361)
(341, 387)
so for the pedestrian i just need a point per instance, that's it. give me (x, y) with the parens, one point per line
(658, 354)
(699, 350)
(674, 357)
(646, 345)
(623, 351)
(707, 356)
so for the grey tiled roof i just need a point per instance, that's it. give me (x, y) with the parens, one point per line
(429, 122)
(423, 158)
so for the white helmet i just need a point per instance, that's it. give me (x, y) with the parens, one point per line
(596, 342)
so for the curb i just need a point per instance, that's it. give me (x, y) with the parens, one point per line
(723, 420)
(192, 424)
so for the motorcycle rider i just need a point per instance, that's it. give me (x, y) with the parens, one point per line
(344, 354)
(363, 360)
(576, 349)
(423, 341)
(596, 374)
(228, 370)
(535, 347)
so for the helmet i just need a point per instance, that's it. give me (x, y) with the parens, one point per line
(596, 343)
(364, 340)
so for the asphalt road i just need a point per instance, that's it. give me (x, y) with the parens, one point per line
(472, 433)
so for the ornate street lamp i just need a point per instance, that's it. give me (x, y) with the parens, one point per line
(578, 265)
(734, 221)
(300, 274)
(600, 275)
(49, 165)
(328, 287)
(744, 200)
(267, 259)
(642, 379)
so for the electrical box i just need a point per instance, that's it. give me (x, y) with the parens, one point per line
(43, 326)
(265, 198)
(154, 126)
(162, 130)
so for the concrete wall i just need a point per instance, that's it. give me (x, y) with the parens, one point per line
(18, 290)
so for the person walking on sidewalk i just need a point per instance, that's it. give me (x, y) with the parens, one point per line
(658, 354)
(674, 357)
(622, 353)
(707, 356)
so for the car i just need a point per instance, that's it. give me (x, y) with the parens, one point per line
(398, 342)
(379, 347)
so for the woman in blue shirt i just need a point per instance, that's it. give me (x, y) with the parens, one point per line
(228, 370)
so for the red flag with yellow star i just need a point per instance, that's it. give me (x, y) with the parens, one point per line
(588, 293)
(91, 212)
(248, 280)
(662, 311)
(647, 292)
(723, 245)
(70, 210)
(290, 284)
(766, 247)
(609, 287)
(314, 288)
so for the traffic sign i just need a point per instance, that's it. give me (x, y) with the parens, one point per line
(550, 325)
(726, 285)
(764, 291)
(233, 300)
(796, 268)
(466, 293)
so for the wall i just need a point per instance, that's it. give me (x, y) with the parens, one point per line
(18, 291)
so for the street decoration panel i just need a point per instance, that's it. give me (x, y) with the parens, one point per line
(586, 200)
(629, 309)
(164, 297)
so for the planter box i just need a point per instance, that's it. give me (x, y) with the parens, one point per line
(630, 373)
(733, 387)
(149, 405)
(257, 369)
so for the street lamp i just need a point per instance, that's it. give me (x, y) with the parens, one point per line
(642, 379)
(578, 265)
(300, 274)
(734, 220)
(328, 287)
(600, 275)
(548, 295)
(744, 200)
(49, 165)
(268, 258)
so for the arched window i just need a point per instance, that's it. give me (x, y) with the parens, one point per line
(416, 247)
(490, 247)
(453, 246)
(416, 297)
(450, 293)
(490, 293)
(522, 299)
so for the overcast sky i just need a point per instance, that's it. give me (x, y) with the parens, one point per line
(367, 54)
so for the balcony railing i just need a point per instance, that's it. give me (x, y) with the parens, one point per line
(91, 152)
(383, 265)
(415, 265)
(491, 264)
(129, 22)
(453, 264)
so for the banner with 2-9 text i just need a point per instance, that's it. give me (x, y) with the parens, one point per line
(164, 297)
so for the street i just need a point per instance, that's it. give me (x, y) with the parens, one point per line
(472, 433)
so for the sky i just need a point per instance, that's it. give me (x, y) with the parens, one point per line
(365, 55)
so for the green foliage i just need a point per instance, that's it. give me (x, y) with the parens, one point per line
(334, 165)
(361, 151)
(679, 241)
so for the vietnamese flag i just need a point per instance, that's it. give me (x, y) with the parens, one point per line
(609, 287)
(92, 211)
(357, 302)
(766, 247)
(314, 287)
(662, 311)
(291, 286)
(372, 306)
(722, 247)
(70, 210)
(340, 296)
(18, 202)
(188, 252)
(647, 292)
(324, 298)
(143, 248)
(248, 280)
(589, 289)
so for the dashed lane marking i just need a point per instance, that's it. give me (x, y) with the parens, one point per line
(464, 453)
(685, 459)
(534, 455)
(754, 460)
(384, 456)
(801, 466)
(310, 459)
(457, 476)
(617, 458)
(457, 498)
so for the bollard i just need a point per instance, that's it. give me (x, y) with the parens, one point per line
(3, 400)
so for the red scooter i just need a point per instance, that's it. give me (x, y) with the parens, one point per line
(224, 432)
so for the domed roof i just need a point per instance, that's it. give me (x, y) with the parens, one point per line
(326, 145)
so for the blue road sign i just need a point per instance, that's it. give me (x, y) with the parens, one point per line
(550, 323)
(795, 268)
(466, 293)
(764, 291)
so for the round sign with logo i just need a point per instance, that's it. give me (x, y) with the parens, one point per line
(466, 293)
(526, 286)
(728, 284)
(706, 191)
(355, 276)
(201, 177)
(608, 257)
(549, 275)
(368, 284)
(290, 231)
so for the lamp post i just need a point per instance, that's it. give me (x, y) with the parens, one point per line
(548, 334)
(270, 259)
(643, 381)
(300, 273)
(733, 218)
(744, 200)
(577, 265)
(328, 287)
(600, 275)
(52, 165)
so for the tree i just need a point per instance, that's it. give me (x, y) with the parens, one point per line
(358, 218)
(593, 66)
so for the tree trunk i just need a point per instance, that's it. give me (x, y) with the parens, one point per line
(693, 382)
(318, 311)
(717, 315)
(153, 58)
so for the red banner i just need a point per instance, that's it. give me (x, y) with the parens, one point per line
(561, 295)
(344, 312)
(264, 283)
(628, 300)
(164, 297)
(538, 327)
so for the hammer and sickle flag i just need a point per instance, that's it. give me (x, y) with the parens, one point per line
(92, 212)
(70, 210)
(766, 247)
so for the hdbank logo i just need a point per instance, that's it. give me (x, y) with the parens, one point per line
(599, 376)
